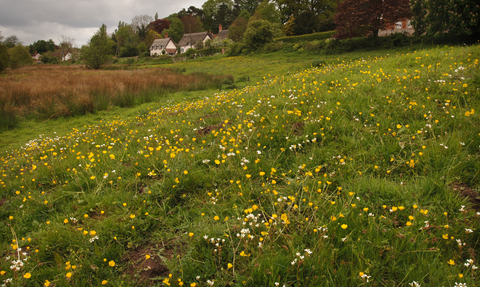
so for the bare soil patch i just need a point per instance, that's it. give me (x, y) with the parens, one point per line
(465, 191)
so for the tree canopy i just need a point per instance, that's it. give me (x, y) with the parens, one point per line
(359, 17)
(97, 53)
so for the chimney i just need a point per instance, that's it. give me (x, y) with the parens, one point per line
(219, 27)
(166, 35)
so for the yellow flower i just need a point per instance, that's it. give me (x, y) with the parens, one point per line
(93, 232)
(92, 177)
(460, 275)
(451, 262)
(65, 221)
(344, 226)
(147, 256)
(193, 284)
(262, 173)
(229, 266)
(132, 216)
(27, 275)
(190, 234)
(445, 236)
(248, 176)
(104, 282)
(47, 283)
(185, 172)
(409, 223)
(216, 217)
(111, 263)
(69, 274)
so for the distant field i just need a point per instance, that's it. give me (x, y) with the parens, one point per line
(363, 171)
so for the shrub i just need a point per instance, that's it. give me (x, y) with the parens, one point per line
(258, 34)
(306, 38)
(273, 47)
(235, 49)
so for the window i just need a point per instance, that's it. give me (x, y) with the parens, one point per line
(398, 25)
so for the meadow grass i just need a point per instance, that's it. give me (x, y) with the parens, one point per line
(341, 175)
(53, 91)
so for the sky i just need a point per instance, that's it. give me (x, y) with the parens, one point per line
(33, 20)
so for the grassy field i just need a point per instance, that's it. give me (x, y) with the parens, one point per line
(355, 173)
(53, 91)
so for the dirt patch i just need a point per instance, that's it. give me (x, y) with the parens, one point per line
(209, 129)
(465, 191)
(145, 270)
(2, 201)
(297, 128)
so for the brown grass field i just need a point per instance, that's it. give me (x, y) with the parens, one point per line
(50, 91)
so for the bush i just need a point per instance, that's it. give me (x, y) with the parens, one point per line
(273, 47)
(235, 49)
(306, 38)
(19, 56)
(258, 34)
(318, 63)
(144, 55)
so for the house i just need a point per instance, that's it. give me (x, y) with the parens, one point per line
(67, 57)
(222, 34)
(163, 47)
(188, 40)
(36, 56)
(401, 26)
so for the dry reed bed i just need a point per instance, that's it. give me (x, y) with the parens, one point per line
(56, 91)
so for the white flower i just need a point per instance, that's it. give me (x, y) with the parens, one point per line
(414, 284)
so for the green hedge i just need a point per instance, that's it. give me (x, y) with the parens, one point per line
(307, 37)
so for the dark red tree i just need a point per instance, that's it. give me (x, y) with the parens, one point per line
(159, 25)
(355, 18)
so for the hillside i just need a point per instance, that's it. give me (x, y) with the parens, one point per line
(348, 174)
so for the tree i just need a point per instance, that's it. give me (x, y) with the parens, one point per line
(4, 56)
(96, 53)
(191, 24)
(160, 25)
(66, 45)
(176, 29)
(237, 29)
(268, 11)
(258, 34)
(11, 41)
(459, 17)
(356, 18)
(156, 16)
(19, 56)
(141, 25)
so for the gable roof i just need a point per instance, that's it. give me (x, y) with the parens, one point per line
(191, 38)
(159, 44)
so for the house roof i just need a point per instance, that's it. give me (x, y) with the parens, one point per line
(159, 44)
(223, 34)
(191, 38)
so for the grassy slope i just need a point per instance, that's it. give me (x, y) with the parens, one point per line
(311, 177)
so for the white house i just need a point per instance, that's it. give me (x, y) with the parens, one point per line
(188, 40)
(163, 47)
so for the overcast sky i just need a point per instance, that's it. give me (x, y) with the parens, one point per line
(33, 20)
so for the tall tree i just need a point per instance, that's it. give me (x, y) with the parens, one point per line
(96, 53)
(358, 17)
(11, 41)
(4, 56)
(191, 24)
(176, 29)
(19, 56)
(159, 25)
(66, 45)
(141, 25)
(439, 16)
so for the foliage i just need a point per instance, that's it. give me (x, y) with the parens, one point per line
(356, 18)
(48, 58)
(199, 45)
(308, 37)
(42, 46)
(237, 29)
(141, 25)
(267, 10)
(19, 56)
(176, 29)
(96, 53)
(160, 25)
(442, 16)
(11, 41)
(192, 24)
(4, 56)
(258, 33)
(321, 9)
